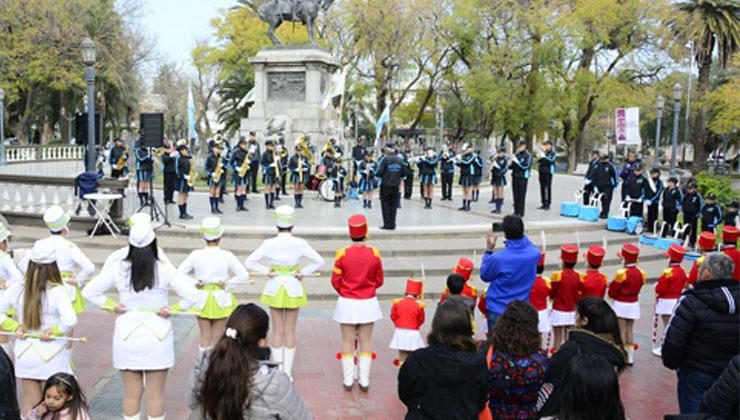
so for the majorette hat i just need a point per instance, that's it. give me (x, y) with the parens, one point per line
(56, 219)
(464, 267)
(595, 255)
(357, 226)
(629, 253)
(707, 241)
(4, 232)
(211, 228)
(284, 216)
(414, 287)
(676, 253)
(730, 234)
(541, 261)
(569, 253)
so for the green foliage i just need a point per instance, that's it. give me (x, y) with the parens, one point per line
(718, 185)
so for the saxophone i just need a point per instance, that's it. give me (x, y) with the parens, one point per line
(219, 171)
(191, 176)
(244, 167)
(122, 160)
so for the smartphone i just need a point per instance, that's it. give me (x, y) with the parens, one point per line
(497, 227)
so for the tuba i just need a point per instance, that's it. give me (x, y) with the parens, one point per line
(305, 149)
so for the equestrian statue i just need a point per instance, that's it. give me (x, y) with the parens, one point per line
(276, 12)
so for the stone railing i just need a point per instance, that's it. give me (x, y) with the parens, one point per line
(23, 197)
(15, 154)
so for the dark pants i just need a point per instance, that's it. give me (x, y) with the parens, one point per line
(170, 184)
(691, 219)
(606, 200)
(545, 189)
(491, 319)
(519, 188)
(408, 186)
(116, 173)
(652, 216)
(692, 384)
(669, 217)
(253, 170)
(447, 185)
(587, 190)
(283, 180)
(635, 209)
(389, 204)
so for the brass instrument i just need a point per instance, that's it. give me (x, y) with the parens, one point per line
(244, 167)
(305, 149)
(122, 160)
(219, 171)
(191, 175)
(276, 162)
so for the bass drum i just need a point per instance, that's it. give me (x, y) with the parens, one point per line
(326, 190)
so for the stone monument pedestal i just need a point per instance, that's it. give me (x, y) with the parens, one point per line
(290, 85)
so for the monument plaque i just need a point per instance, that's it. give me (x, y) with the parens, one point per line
(286, 86)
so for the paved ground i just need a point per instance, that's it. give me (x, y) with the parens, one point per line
(648, 389)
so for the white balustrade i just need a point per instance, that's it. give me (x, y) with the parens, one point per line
(29, 199)
(42, 200)
(55, 197)
(5, 197)
(18, 200)
(44, 153)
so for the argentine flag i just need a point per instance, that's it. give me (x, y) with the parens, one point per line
(191, 115)
(385, 118)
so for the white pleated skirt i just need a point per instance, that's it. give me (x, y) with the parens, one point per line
(626, 310)
(37, 360)
(562, 319)
(143, 341)
(543, 326)
(665, 306)
(357, 311)
(407, 340)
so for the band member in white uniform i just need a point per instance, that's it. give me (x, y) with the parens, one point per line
(9, 274)
(44, 313)
(210, 267)
(121, 253)
(142, 339)
(74, 266)
(279, 259)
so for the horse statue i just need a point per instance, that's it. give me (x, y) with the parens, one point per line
(276, 12)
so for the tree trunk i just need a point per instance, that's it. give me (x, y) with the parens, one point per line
(700, 129)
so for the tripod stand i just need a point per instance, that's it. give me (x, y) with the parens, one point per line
(155, 211)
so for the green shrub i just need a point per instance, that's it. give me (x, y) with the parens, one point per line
(719, 185)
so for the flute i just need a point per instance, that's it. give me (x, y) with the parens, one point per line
(37, 336)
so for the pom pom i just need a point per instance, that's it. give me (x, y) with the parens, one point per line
(339, 356)
(396, 362)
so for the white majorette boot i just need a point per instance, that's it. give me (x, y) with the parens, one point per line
(136, 416)
(288, 362)
(155, 418)
(276, 354)
(630, 354)
(348, 371)
(366, 360)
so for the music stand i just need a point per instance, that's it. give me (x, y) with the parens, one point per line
(155, 211)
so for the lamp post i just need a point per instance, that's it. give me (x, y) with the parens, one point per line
(87, 47)
(677, 92)
(659, 103)
(2, 127)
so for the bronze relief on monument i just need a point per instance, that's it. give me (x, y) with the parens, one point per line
(286, 86)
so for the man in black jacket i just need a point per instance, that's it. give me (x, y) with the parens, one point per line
(604, 179)
(168, 168)
(8, 400)
(390, 172)
(254, 164)
(704, 332)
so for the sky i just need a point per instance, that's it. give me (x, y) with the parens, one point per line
(174, 25)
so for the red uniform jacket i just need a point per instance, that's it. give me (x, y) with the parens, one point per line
(733, 253)
(407, 313)
(482, 302)
(539, 293)
(671, 282)
(358, 271)
(468, 290)
(694, 273)
(594, 284)
(627, 284)
(565, 289)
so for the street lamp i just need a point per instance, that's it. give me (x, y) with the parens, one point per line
(2, 127)
(88, 50)
(659, 103)
(677, 92)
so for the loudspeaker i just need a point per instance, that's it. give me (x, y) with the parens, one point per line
(81, 129)
(152, 129)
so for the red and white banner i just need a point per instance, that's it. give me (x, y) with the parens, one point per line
(627, 125)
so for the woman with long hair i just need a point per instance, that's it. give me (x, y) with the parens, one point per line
(516, 363)
(448, 379)
(45, 313)
(596, 332)
(279, 258)
(590, 391)
(143, 345)
(235, 380)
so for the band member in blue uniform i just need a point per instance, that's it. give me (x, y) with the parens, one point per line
(672, 198)
(216, 170)
(499, 165)
(427, 165)
(653, 194)
(333, 171)
(240, 168)
(270, 163)
(465, 162)
(144, 169)
(368, 182)
(299, 167)
(477, 175)
(628, 171)
(118, 159)
(547, 171)
(521, 165)
(168, 169)
(604, 179)
(358, 156)
(634, 189)
(185, 179)
(691, 206)
(589, 186)
(283, 155)
(711, 214)
(254, 164)
(447, 171)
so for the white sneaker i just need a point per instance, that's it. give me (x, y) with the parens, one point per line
(658, 352)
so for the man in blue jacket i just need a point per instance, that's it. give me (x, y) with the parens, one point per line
(511, 271)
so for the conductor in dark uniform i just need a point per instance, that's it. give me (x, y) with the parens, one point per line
(358, 156)
(589, 185)
(168, 168)
(547, 170)
(254, 164)
(604, 178)
(521, 164)
(447, 171)
(390, 172)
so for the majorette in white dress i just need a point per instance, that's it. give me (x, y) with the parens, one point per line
(142, 340)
